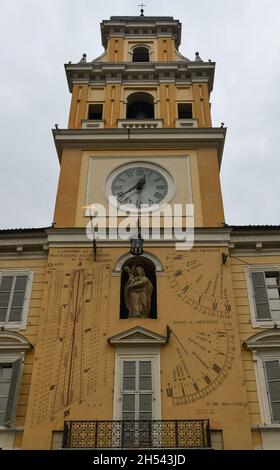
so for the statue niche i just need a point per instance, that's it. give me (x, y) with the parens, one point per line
(138, 289)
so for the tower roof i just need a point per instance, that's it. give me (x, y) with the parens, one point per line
(142, 18)
(141, 25)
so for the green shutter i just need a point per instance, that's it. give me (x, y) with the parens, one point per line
(272, 369)
(260, 296)
(12, 392)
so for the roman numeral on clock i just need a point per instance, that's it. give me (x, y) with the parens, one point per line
(125, 201)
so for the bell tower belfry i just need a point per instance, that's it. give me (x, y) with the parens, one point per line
(140, 101)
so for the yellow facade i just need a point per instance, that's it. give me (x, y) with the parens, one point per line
(200, 340)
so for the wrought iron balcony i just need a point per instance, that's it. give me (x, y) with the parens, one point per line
(137, 434)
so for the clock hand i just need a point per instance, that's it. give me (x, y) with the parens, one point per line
(140, 183)
(128, 191)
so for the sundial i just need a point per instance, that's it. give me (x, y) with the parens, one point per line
(203, 335)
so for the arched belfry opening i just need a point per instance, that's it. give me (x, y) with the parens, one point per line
(140, 54)
(138, 288)
(140, 106)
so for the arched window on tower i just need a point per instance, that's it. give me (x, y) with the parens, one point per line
(138, 288)
(140, 106)
(140, 54)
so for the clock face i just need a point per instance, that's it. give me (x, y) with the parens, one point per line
(203, 333)
(140, 185)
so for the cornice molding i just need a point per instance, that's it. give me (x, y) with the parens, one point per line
(105, 72)
(175, 138)
(27, 245)
(120, 26)
(255, 243)
(77, 237)
(11, 340)
(264, 340)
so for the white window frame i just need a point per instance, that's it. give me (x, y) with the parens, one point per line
(137, 343)
(253, 269)
(130, 354)
(260, 358)
(265, 346)
(20, 325)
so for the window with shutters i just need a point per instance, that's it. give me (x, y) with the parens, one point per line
(9, 379)
(265, 347)
(137, 387)
(15, 288)
(264, 296)
(137, 397)
(13, 347)
(272, 375)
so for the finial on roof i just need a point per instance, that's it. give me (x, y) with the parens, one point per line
(142, 9)
(197, 57)
(84, 58)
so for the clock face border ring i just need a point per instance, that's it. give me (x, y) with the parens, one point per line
(145, 164)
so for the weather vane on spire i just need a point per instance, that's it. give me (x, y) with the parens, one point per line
(142, 8)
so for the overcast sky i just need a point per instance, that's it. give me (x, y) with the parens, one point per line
(38, 36)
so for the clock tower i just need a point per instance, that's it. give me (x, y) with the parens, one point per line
(138, 347)
(140, 104)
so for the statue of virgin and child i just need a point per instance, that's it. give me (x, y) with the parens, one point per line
(138, 291)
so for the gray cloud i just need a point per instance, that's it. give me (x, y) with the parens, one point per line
(38, 37)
